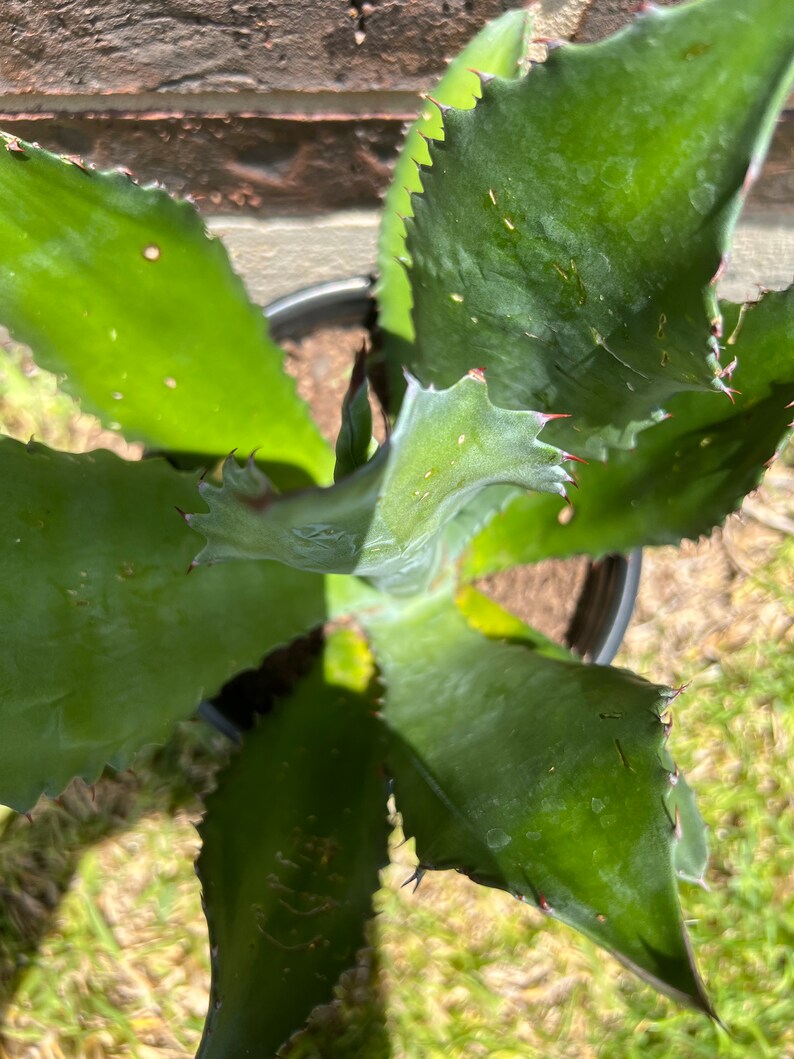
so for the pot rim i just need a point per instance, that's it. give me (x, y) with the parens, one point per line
(343, 301)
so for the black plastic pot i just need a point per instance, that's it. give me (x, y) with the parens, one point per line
(609, 593)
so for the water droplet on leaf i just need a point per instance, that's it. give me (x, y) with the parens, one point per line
(702, 197)
(497, 838)
(616, 172)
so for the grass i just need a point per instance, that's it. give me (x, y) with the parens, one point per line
(102, 943)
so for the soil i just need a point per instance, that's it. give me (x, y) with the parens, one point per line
(543, 595)
(321, 365)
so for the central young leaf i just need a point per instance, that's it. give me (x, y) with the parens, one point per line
(385, 520)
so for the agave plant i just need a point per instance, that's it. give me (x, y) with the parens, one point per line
(547, 291)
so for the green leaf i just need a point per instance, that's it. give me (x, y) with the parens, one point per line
(106, 640)
(691, 851)
(497, 49)
(355, 441)
(487, 617)
(121, 290)
(293, 840)
(571, 810)
(385, 519)
(686, 475)
(571, 224)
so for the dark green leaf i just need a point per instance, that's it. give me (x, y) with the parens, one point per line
(355, 441)
(293, 840)
(497, 49)
(385, 519)
(541, 777)
(106, 640)
(121, 290)
(571, 224)
(686, 474)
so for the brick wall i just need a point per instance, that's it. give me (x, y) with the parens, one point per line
(265, 106)
(268, 112)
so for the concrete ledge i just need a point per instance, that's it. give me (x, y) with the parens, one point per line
(276, 257)
(762, 257)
